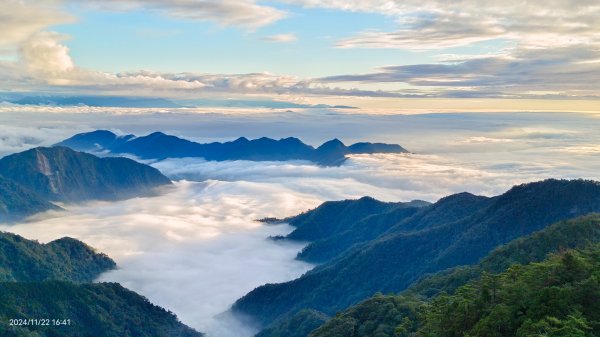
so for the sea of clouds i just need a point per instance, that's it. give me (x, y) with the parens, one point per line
(196, 248)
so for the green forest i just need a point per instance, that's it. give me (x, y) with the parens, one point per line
(559, 297)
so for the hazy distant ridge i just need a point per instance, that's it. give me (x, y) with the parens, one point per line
(158, 145)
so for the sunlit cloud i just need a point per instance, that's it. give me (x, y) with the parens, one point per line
(243, 13)
(19, 19)
(561, 72)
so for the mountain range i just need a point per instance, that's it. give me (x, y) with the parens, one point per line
(158, 145)
(348, 222)
(457, 230)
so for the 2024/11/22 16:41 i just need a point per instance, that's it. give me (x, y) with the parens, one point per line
(39, 322)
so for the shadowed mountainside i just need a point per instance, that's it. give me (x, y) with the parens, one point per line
(62, 174)
(17, 202)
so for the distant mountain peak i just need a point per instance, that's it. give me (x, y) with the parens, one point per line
(246, 140)
(104, 133)
(158, 134)
(332, 144)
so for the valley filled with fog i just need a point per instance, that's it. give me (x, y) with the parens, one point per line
(196, 247)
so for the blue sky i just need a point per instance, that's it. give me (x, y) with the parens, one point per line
(149, 40)
(304, 49)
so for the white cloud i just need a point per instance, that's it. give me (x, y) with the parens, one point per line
(281, 38)
(566, 72)
(19, 19)
(244, 13)
(196, 249)
(526, 72)
(442, 24)
(45, 57)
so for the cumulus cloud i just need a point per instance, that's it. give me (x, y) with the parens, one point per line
(19, 19)
(565, 72)
(45, 65)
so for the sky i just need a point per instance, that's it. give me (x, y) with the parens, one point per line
(377, 54)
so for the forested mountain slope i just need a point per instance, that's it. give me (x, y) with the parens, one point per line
(393, 261)
(62, 174)
(393, 316)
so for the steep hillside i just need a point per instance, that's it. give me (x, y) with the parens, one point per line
(61, 174)
(557, 297)
(17, 202)
(83, 310)
(334, 217)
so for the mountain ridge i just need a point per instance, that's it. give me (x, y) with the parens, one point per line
(379, 315)
(391, 262)
(65, 259)
(158, 145)
(62, 174)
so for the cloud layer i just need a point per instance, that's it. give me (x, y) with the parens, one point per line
(20, 19)
(194, 250)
